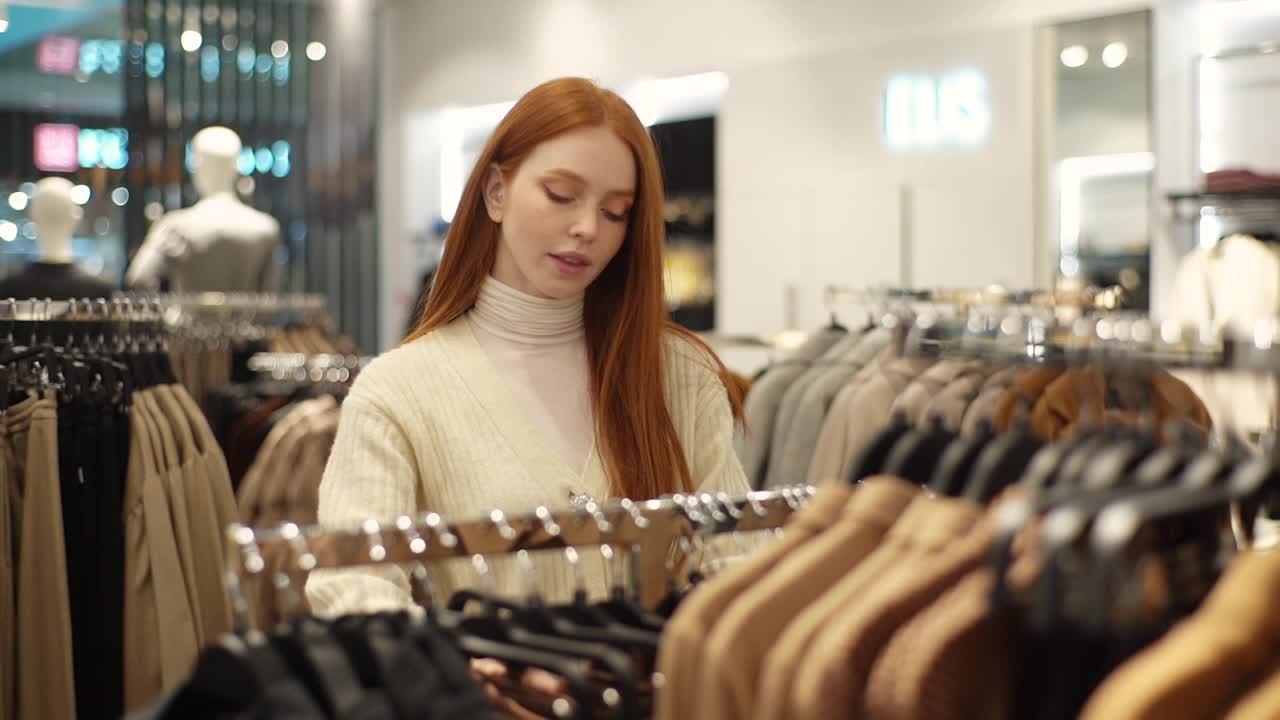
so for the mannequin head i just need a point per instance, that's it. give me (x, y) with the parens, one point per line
(56, 216)
(216, 151)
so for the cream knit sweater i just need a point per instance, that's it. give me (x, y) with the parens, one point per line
(435, 425)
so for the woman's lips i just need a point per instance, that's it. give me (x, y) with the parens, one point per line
(570, 263)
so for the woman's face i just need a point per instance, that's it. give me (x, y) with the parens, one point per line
(564, 213)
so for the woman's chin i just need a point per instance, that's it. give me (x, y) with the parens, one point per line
(560, 289)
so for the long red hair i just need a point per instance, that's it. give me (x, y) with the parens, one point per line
(625, 315)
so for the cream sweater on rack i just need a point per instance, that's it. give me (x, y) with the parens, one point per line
(460, 422)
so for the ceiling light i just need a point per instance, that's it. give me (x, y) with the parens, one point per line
(18, 201)
(8, 231)
(120, 196)
(1114, 55)
(316, 51)
(279, 49)
(80, 194)
(4, 16)
(191, 40)
(1074, 56)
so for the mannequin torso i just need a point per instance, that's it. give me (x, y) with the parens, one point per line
(217, 245)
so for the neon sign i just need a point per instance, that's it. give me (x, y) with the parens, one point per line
(923, 111)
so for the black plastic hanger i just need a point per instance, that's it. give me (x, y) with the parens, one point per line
(1218, 483)
(957, 461)
(915, 455)
(233, 678)
(872, 458)
(1001, 463)
(578, 621)
(587, 700)
(320, 663)
(620, 607)
(1071, 472)
(491, 626)
(1128, 454)
(495, 631)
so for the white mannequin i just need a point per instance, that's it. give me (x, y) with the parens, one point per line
(218, 244)
(56, 216)
(54, 274)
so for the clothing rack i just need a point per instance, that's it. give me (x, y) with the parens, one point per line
(1085, 299)
(429, 537)
(244, 302)
(301, 367)
(95, 310)
(1108, 340)
(215, 317)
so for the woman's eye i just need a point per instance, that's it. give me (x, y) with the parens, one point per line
(561, 199)
(616, 217)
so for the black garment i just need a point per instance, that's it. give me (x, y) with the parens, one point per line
(456, 693)
(115, 465)
(236, 684)
(57, 281)
(77, 430)
(422, 674)
(92, 465)
(357, 668)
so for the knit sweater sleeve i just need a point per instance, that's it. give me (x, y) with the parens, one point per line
(371, 474)
(714, 464)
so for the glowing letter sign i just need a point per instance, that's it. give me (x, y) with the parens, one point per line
(924, 111)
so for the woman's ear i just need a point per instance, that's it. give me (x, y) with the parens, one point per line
(494, 193)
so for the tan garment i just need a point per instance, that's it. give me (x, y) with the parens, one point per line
(784, 659)
(286, 489)
(955, 659)
(831, 680)
(914, 400)
(274, 477)
(1021, 399)
(1262, 703)
(983, 406)
(951, 661)
(829, 452)
(303, 499)
(256, 487)
(291, 480)
(871, 406)
(736, 648)
(45, 681)
(679, 655)
(169, 461)
(1060, 402)
(215, 463)
(1207, 662)
(159, 632)
(207, 539)
(953, 400)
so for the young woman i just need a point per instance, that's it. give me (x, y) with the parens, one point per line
(544, 370)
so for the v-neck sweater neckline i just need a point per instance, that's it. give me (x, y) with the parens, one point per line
(532, 366)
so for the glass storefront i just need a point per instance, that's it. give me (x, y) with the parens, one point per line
(109, 94)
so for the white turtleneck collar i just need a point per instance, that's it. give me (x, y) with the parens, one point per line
(512, 315)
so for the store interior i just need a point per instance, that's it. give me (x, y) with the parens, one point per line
(872, 213)
(830, 145)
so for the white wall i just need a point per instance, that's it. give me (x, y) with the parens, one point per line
(807, 193)
(810, 194)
